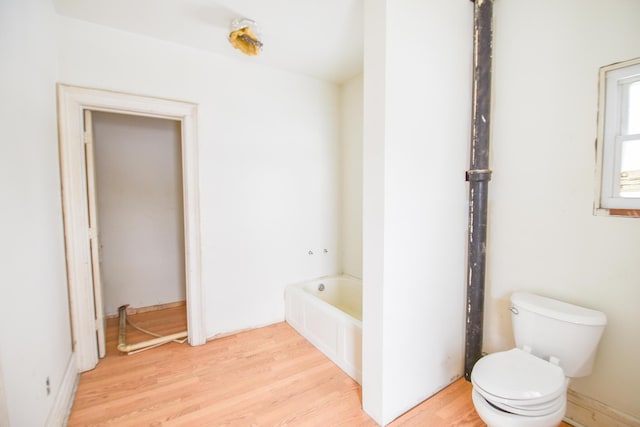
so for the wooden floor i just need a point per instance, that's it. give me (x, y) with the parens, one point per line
(265, 377)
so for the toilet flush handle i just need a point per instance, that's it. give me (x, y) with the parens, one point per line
(514, 310)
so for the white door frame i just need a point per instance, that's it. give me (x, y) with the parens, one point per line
(72, 101)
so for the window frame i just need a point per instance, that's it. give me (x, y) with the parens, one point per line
(610, 138)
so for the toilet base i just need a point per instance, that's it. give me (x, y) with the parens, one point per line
(494, 417)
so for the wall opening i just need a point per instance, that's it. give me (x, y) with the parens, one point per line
(138, 174)
(72, 103)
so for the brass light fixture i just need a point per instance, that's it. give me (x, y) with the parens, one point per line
(245, 37)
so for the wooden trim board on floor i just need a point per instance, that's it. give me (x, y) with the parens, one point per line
(157, 307)
(587, 412)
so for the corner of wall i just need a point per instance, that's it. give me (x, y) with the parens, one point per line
(64, 399)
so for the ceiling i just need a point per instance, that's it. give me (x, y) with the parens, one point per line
(318, 38)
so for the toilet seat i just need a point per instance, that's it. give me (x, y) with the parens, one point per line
(532, 411)
(497, 418)
(520, 383)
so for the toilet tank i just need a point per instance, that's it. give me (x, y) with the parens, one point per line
(552, 328)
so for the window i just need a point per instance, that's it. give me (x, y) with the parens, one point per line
(619, 140)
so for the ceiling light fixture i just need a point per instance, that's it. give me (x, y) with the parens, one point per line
(245, 36)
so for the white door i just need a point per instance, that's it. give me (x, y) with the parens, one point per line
(94, 242)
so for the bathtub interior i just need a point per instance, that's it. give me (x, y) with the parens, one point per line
(344, 293)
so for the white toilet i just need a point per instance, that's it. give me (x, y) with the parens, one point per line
(527, 385)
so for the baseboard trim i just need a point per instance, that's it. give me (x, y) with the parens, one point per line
(138, 310)
(583, 411)
(62, 405)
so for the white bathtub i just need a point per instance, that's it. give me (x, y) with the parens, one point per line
(331, 319)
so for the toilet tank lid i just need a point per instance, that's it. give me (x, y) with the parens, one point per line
(560, 310)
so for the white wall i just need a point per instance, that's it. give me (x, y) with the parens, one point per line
(140, 210)
(543, 236)
(268, 145)
(351, 176)
(4, 409)
(417, 82)
(34, 317)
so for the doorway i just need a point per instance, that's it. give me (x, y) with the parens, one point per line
(138, 175)
(137, 168)
(86, 318)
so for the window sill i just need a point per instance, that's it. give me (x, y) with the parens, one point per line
(628, 213)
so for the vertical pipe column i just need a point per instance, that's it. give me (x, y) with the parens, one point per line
(478, 177)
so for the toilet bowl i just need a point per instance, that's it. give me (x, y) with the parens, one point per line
(494, 417)
(527, 385)
(517, 389)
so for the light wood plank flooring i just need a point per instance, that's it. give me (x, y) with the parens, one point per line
(265, 377)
